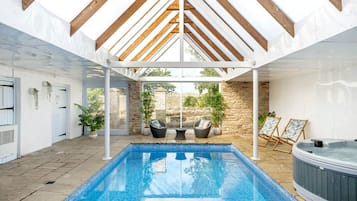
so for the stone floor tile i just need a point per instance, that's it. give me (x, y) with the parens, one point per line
(71, 162)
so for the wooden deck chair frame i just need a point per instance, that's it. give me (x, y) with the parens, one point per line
(270, 137)
(287, 140)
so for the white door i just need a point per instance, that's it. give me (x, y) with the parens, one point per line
(59, 114)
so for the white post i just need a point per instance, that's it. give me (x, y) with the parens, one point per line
(107, 115)
(181, 29)
(255, 113)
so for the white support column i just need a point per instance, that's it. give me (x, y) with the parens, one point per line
(107, 115)
(182, 59)
(181, 28)
(255, 113)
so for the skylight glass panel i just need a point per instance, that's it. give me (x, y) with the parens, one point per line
(104, 17)
(296, 10)
(220, 26)
(235, 25)
(205, 44)
(210, 36)
(156, 43)
(134, 20)
(259, 18)
(139, 28)
(172, 53)
(164, 48)
(65, 9)
(151, 35)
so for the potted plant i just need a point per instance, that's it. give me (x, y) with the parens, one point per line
(147, 108)
(217, 111)
(92, 117)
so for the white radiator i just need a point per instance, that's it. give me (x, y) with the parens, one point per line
(8, 143)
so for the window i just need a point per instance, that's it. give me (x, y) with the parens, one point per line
(6, 102)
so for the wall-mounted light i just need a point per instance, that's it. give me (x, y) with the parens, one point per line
(48, 86)
(34, 92)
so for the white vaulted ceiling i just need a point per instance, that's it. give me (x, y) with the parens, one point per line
(263, 32)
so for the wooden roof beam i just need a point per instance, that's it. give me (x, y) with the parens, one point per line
(118, 23)
(202, 46)
(163, 42)
(337, 4)
(152, 42)
(217, 34)
(145, 34)
(85, 14)
(244, 23)
(228, 25)
(210, 42)
(26, 4)
(175, 6)
(278, 15)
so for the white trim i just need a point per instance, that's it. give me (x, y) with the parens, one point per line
(235, 73)
(255, 113)
(107, 115)
(181, 29)
(180, 79)
(186, 64)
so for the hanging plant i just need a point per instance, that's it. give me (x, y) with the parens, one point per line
(48, 85)
(34, 92)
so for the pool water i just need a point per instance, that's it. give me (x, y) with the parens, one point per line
(180, 172)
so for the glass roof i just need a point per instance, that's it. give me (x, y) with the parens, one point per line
(172, 55)
(134, 24)
(104, 17)
(65, 9)
(296, 10)
(259, 18)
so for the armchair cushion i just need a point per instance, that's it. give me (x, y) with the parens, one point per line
(155, 123)
(203, 124)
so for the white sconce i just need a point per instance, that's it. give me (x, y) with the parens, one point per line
(34, 92)
(48, 86)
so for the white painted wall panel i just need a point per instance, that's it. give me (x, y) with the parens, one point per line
(327, 99)
(36, 125)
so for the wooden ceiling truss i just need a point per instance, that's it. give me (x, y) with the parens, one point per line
(118, 23)
(278, 15)
(26, 4)
(171, 29)
(85, 14)
(244, 23)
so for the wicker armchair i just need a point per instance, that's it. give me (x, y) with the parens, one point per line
(156, 130)
(201, 132)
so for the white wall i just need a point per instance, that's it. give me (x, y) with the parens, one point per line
(328, 99)
(36, 125)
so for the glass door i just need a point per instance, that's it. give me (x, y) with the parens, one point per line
(118, 108)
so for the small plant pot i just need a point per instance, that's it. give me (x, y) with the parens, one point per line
(217, 131)
(146, 131)
(93, 134)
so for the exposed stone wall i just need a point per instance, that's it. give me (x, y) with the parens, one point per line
(134, 108)
(238, 96)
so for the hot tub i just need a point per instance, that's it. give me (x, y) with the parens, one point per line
(326, 169)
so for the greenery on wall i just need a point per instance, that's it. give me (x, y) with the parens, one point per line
(147, 106)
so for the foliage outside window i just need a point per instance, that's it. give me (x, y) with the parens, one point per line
(147, 106)
(160, 72)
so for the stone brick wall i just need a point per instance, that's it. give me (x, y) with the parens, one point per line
(134, 108)
(238, 96)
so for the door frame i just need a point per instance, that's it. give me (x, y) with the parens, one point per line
(113, 84)
(67, 116)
